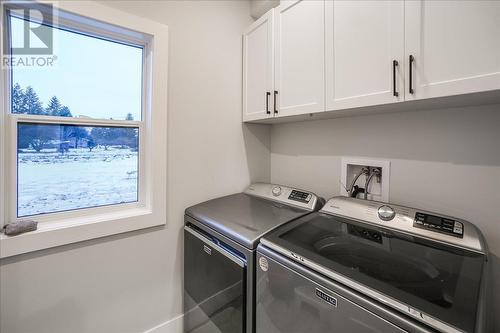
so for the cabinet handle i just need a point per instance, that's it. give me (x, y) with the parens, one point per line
(411, 60)
(394, 65)
(267, 102)
(275, 94)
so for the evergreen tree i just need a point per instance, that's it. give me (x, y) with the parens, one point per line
(129, 116)
(27, 102)
(54, 107)
(17, 99)
(31, 103)
(64, 112)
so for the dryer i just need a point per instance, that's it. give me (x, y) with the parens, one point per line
(220, 240)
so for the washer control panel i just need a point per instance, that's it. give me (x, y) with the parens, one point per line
(300, 196)
(439, 224)
(416, 222)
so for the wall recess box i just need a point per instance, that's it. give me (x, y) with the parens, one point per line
(378, 189)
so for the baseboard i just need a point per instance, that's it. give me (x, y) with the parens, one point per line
(171, 326)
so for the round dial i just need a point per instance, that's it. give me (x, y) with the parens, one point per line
(386, 213)
(276, 191)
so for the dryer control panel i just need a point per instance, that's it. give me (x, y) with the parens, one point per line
(286, 195)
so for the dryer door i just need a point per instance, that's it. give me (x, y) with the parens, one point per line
(288, 302)
(214, 286)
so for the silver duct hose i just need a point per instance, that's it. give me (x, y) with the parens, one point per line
(364, 171)
(373, 173)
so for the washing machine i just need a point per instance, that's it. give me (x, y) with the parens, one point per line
(362, 266)
(220, 241)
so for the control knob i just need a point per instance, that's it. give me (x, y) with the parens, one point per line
(386, 213)
(276, 191)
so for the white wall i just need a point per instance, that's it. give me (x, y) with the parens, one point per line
(442, 160)
(133, 282)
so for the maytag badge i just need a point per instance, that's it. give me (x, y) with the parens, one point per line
(327, 298)
(264, 265)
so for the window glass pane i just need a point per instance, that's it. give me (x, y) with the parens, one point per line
(90, 77)
(65, 167)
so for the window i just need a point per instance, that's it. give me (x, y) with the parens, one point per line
(84, 131)
(71, 166)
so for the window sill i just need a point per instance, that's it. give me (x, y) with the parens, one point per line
(52, 234)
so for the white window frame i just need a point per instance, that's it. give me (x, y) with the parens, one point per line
(61, 228)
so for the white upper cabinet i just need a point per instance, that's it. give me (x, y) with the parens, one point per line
(258, 69)
(455, 47)
(300, 57)
(308, 56)
(364, 53)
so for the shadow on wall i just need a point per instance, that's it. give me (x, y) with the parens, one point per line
(468, 135)
(257, 140)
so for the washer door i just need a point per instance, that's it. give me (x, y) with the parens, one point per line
(214, 286)
(288, 302)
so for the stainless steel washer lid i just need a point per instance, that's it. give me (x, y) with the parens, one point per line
(245, 217)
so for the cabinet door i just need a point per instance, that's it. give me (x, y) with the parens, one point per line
(455, 46)
(258, 69)
(300, 54)
(363, 39)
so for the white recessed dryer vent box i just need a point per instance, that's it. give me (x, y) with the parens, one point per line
(378, 188)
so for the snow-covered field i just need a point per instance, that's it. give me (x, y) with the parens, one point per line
(50, 182)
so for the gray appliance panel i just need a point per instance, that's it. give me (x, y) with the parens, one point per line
(244, 218)
(214, 299)
(249, 256)
(291, 299)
